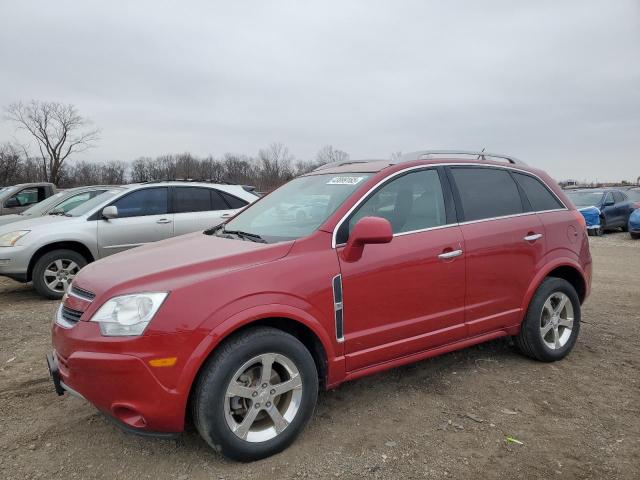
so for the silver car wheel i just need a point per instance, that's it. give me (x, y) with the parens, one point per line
(556, 320)
(263, 397)
(59, 274)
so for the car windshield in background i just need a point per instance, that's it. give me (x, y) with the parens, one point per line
(634, 195)
(297, 208)
(89, 205)
(585, 199)
(43, 206)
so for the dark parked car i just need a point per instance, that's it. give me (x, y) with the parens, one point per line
(614, 205)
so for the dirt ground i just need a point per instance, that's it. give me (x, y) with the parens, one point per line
(444, 417)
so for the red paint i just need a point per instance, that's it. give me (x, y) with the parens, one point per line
(402, 303)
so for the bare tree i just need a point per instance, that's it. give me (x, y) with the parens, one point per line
(328, 154)
(58, 129)
(9, 163)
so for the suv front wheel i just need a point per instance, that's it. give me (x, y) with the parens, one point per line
(255, 394)
(552, 323)
(54, 271)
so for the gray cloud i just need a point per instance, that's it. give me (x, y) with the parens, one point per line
(555, 83)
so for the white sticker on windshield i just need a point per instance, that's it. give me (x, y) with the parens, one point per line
(345, 180)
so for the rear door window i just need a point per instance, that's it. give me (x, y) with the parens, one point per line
(217, 202)
(539, 196)
(191, 199)
(486, 192)
(148, 201)
(233, 202)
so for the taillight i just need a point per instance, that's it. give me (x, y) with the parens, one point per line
(580, 218)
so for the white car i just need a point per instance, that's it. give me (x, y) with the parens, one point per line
(50, 250)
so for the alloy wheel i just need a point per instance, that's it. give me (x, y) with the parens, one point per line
(556, 320)
(59, 274)
(263, 397)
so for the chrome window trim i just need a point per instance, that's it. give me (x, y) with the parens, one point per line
(452, 164)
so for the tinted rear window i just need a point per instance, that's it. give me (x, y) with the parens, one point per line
(539, 196)
(233, 202)
(486, 192)
(191, 199)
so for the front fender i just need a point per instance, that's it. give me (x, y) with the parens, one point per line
(219, 330)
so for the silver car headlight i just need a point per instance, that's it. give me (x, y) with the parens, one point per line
(128, 315)
(10, 239)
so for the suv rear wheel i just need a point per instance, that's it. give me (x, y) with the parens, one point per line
(54, 271)
(256, 394)
(552, 323)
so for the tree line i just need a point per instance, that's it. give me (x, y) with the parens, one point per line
(270, 168)
(58, 131)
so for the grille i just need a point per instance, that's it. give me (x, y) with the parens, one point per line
(70, 315)
(81, 293)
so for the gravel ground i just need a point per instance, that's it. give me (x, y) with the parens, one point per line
(444, 417)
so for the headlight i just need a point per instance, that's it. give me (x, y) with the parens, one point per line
(10, 239)
(128, 315)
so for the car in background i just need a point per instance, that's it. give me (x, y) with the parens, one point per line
(634, 195)
(239, 327)
(613, 205)
(58, 204)
(50, 250)
(18, 198)
(634, 224)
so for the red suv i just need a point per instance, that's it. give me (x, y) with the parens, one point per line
(354, 268)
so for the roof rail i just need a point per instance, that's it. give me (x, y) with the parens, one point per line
(201, 180)
(481, 155)
(339, 164)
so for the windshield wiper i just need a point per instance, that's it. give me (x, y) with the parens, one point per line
(220, 231)
(254, 237)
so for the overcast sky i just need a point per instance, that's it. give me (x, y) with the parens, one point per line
(554, 83)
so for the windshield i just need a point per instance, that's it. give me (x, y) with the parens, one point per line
(43, 206)
(585, 199)
(93, 203)
(634, 195)
(297, 208)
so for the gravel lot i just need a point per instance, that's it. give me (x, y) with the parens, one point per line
(448, 416)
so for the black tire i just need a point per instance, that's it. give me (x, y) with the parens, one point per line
(38, 274)
(635, 236)
(529, 341)
(603, 227)
(625, 227)
(209, 396)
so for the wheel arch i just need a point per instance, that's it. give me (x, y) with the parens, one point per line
(564, 268)
(299, 324)
(76, 246)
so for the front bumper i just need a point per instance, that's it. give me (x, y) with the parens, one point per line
(14, 262)
(122, 385)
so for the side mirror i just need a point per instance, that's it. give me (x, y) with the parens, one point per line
(12, 203)
(110, 212)
(368, 230)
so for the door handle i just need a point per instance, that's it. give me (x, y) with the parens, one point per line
(451, 254)
(164, 220)
(532, 237)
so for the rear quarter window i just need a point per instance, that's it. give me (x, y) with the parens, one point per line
(486, 192)
(539, 196)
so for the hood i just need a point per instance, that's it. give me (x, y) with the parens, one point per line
(173, 263)
(30, 223)
(5, 219)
